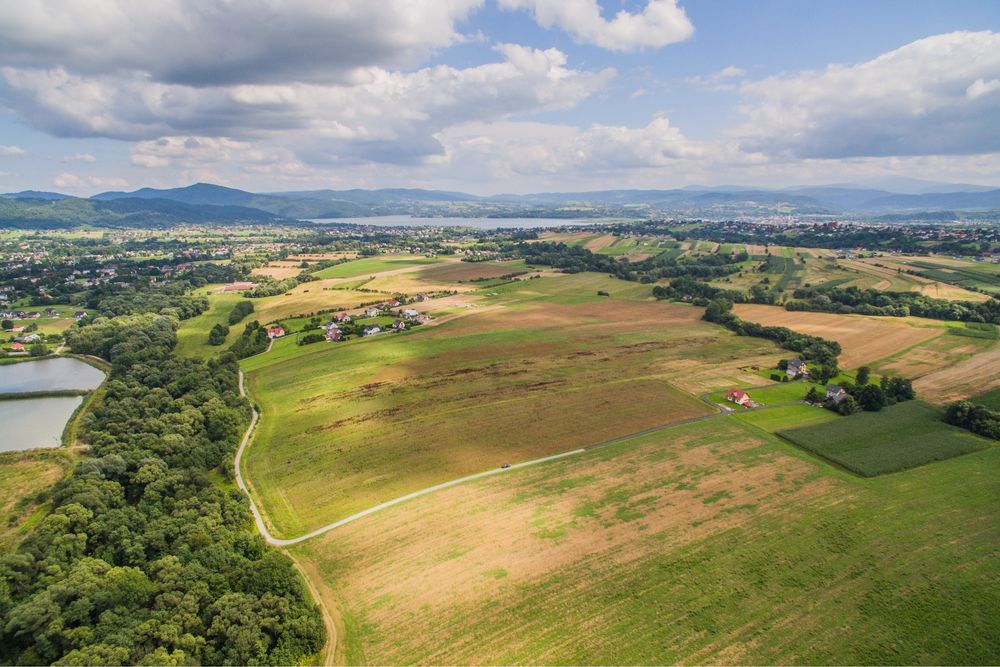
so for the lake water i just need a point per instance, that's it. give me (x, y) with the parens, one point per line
(48, 375)
(35, 422)
(477, 223)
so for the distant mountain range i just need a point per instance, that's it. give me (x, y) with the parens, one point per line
(205, 202)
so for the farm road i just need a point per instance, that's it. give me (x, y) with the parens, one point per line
(285, 542)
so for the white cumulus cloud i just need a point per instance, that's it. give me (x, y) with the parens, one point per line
(934, 96)
(660, 23)
(12, 150)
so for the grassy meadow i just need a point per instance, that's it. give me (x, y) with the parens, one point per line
(548, 368)
(708, 543)
(896, 438)
(26, 479)
(372, 265)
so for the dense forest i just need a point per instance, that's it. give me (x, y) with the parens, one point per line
(147, 555)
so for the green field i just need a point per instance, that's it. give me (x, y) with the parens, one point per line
(899, 437)
(192, 335)
(788, 416)
(371, 265)
(707, 544)
(349, 426)
(990, 399)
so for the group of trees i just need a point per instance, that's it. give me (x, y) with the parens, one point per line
(217, 334)
(973, 417)
(862, 395)
(239, 311)
(270, 287)
(892, 304)
(253, 340)
(819, 351)
(573, 259)
(142, 559)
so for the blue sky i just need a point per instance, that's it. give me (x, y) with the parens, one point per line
(496, 95)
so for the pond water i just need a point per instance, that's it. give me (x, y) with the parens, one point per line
(477, 223)
(35, 422)
(49, 375)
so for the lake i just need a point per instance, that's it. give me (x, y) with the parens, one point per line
(478, 223)
(49, 375)
(35, 422)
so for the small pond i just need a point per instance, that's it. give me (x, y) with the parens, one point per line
(35, 422)
(49, 375)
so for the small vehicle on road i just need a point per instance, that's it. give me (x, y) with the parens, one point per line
(505, 466)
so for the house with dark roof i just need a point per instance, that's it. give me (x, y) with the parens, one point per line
(835, 393)
(796, 367)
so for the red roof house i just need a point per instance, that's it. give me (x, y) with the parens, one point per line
(739, 397)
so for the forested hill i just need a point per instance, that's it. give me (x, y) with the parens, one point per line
(27, 213)
(147, 556)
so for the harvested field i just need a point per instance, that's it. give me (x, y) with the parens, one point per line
(971, 377)
(863, 339)
(600, 242)
(464, 271)
(932, 355)
(709, 543)
(278, 270)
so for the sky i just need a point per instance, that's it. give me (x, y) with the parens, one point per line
(491, 96)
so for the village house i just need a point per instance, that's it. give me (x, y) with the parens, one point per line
(334, 335)
(79, 315)
(275, 332)
(32, 315)
(17, 347)
(371, 330)
(399, 325)
(796, 367)
(410, 312)
(739, 397)
(51, 311)
(835, 393)
(30, 338)
(341, 317)
(372, 311)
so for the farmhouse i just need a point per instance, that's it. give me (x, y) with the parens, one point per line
(398, 325)
(79, 315)
(739, 397)
(341, 317)
(835, 393)
(796, 367)
(372, 311)
(334, 335)
(410, 312)
(371, 330)
(275, 331)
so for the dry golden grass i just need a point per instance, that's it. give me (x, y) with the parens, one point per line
(308, 298)
(863, 339)
(410, 573)
(600, 243)
(456, 271)
(22, 475)
(976, 375)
